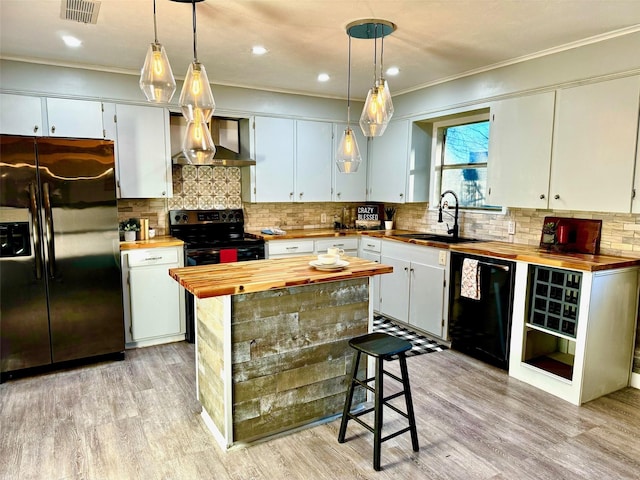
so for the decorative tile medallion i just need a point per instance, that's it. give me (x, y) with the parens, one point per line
(206, 187)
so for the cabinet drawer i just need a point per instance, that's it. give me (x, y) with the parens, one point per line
(290, 247)
(371, 244)
(153, 256)
(345, 243)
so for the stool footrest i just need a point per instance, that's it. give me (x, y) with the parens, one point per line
(399, 432)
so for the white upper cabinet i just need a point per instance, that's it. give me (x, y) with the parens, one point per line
(577, 153)
(274, 154)
(350, 187)
(520, 151)
(20, 115)
(74, 118)
(314, 160)
(388, 161)
(594, 146)
(23, 115)
(293, 161)
(143, 150)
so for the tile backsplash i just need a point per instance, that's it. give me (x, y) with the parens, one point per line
(205, 187)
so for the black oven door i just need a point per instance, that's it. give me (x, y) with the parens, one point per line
(209, 256)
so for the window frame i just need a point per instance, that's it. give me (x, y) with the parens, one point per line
(438, 127)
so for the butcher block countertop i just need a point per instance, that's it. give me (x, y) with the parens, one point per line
(540, 256)
(155, 242)
(206, 281)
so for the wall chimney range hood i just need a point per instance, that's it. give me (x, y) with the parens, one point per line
(230, 136)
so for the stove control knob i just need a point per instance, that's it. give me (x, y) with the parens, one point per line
(238, 217)
(177, 218)
(224, 216)
(185, 218)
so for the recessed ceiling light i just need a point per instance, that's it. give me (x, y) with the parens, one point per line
(323, 77)
(393, 71)
(258, 50)
(71, 41)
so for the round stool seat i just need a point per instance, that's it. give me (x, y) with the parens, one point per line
(380, 344)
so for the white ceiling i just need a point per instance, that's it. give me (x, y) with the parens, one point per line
(435, 39)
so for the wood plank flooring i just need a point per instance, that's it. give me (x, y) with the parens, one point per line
(139, 419)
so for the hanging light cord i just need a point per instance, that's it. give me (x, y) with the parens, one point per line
(349, 86)
(155, 26)
(382, 55)
(195, 44)
(375, 52)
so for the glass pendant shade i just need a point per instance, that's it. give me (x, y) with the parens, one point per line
(348, 156)
(156, 77)
(375, 117)
(197, 144)
(196, 94)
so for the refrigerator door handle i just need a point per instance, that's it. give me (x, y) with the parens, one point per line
(35, 233)
(51, 246)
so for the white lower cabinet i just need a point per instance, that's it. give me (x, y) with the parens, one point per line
(153, 301)
(416, 292)
(348, 244)
(289, 248)
(572, 332)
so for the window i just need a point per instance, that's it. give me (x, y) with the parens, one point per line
(462, 154)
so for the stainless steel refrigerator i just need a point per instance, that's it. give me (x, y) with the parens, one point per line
(60, 287)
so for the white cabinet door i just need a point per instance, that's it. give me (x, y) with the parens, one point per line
(394, 289)
(388, 164)
(20, 115)
(144, 160)
(313, 161)
(74, 118)
(274, 149)
(426, 307)
(155, 303)
(520, 151)
(594, 144)
(350, 187)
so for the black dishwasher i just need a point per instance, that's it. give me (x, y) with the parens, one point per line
(482, 327)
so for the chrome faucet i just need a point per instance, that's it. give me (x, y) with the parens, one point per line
(453, 230)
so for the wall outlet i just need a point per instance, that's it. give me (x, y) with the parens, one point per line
(442, 258)
(511, 227)
(323, 218)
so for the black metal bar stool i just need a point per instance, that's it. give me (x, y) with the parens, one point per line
(381, 346)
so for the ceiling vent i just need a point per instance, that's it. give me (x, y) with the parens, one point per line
(83, 11)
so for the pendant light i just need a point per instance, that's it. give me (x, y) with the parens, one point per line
(156, 77)
(348, 155)
(197, 105)
(378, 107)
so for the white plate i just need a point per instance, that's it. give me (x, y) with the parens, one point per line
(339, 265)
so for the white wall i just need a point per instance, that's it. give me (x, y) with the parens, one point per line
(47, 80)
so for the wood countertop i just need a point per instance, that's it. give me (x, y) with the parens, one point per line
(155, 242)
(510, 251)
(541, 256)
(259, 275)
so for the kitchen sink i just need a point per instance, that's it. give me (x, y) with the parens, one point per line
(436, 238)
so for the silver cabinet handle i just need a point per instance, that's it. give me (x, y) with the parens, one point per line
(35, 128)
(292, 248)
(53, 129)
(556, 196)
(401, 195)
(542, 196)
(301, 194)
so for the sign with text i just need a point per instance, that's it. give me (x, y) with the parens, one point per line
(369, 212)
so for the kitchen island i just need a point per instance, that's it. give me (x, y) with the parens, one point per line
(271, 341)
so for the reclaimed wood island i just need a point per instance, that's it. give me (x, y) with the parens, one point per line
(271, 341)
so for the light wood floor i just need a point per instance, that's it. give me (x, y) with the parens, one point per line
(139, 419)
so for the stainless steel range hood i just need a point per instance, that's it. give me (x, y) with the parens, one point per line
(230, 136)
